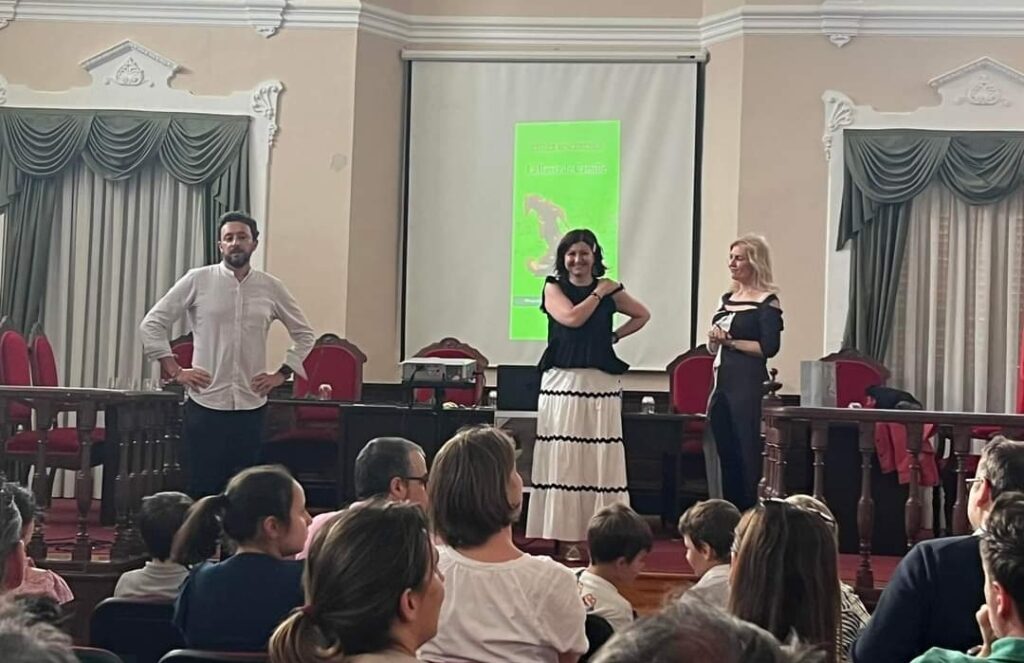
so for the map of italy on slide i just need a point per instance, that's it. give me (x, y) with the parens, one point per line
(566, 177)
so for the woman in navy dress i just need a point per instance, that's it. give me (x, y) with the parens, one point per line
(745, 332)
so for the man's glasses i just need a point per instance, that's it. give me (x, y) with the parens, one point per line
(422, 479)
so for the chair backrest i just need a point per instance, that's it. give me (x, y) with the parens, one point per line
(690, 378)
(202, 656)
(135, 629)
(15, 369)
(598, 631)
(453, 348)
(181, 348)
(336, 362)
(42, 362)
(95, 655)
(855, 372)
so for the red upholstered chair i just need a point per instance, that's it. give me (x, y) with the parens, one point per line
(181, 348)
(690, 378)
(336, 362)
(453, 348)
(21, 367)
(855, 372)
(15, 371)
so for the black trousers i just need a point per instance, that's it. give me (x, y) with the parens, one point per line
(219, 444)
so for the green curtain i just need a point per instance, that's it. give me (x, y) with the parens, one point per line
(38, 146)
(885, 171)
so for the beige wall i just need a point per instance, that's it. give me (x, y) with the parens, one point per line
(556, 8)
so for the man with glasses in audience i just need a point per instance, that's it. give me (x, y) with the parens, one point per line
(932, 597)
(1001, 618)
(391, 468)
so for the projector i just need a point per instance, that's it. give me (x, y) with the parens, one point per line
(428, 370)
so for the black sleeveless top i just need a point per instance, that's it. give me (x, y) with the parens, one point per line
(587, 346)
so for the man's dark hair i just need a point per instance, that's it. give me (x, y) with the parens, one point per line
(692, 631)
(238, 217)
(1003, 461)
(160, 518)
(380, 461)
(1002, 545)
(712, 523)
(617, 531)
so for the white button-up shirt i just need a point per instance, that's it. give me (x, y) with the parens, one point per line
(229, 321)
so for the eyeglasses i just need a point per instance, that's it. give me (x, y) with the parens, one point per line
(422, 479)
(974, 480)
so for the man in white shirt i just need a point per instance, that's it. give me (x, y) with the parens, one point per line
(230, 307)
(707, 529)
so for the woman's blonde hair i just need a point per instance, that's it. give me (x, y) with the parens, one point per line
(758, 254)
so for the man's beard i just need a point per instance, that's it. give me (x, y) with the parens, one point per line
(238, 259)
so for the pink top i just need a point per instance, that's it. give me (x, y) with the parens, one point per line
(314, 527)
(45, 582)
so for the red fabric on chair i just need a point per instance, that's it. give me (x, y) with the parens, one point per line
(337, 366)
(58, 440)
(691, 377)
(181, 349)
(891, 447)
(42, 362)
(852, 380)
(15, 371)
(450, 348)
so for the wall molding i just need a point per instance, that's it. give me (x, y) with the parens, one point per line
(981, 95)
(837, 20)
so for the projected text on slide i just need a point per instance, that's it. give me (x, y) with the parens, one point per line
(566, 177)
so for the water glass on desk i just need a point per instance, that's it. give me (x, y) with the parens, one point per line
(647, 405)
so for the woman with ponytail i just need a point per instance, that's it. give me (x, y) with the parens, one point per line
(235, 604)
(373, 591)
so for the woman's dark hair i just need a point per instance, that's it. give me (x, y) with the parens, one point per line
(251, 496)
(359, 566)
(573, 237)
(468, 489)
(785, 575)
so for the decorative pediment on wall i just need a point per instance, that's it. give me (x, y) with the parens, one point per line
(130, 76)
(6, 12)
(981, 95)
(984, 82)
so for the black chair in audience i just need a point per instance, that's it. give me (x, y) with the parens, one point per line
(94, 655)
(202, 656)
(137, 630)
(598, 632)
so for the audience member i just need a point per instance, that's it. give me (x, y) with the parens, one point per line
(237, 603)
(619, 540)
(387, 467)
(707, 529)
(501, 604)
(693, 631)
(25, 639)
(373, 590)
(932, 595)
(159, 519)
(1001, 618)
(785, 575)
(12, 548)
(36, 580)
(852, 613)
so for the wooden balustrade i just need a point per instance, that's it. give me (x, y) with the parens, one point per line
(781, 421)
(139, 449)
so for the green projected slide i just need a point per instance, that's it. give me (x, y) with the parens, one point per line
(566, 177)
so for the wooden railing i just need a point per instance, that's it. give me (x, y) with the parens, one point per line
(781, 422)
(140, 455)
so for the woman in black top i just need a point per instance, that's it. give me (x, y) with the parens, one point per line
(745, 333)
(579, 462)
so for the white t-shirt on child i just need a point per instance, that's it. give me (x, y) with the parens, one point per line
(523, 611)
(601, 598)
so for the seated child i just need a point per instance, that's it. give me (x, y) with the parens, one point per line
(37, 581)
(159, 519)
(707, 529)
(619, 540)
